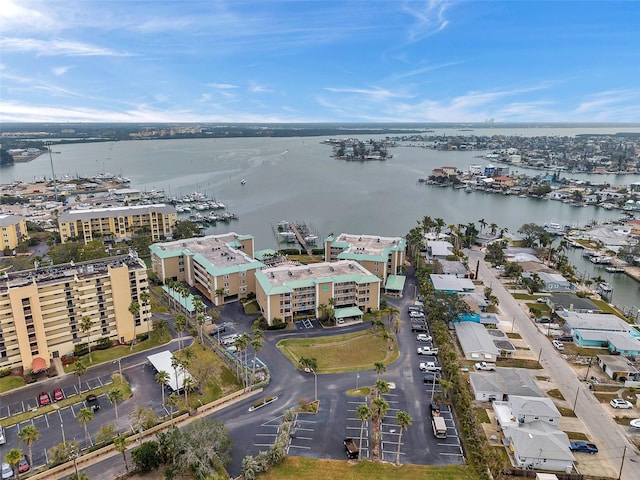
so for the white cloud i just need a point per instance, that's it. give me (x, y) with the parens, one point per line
(377, 94)
(429, 17)
(58, 71)
(257, 88)
(57, 47)
(221, 86)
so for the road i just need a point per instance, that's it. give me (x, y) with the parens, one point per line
(604, 431)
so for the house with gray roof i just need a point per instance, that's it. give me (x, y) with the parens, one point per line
(618, 367)
(476, 342)
(531, 409)
(554, 282)
(538, 445)
(570, 301)
(502, 383)
(451, 284)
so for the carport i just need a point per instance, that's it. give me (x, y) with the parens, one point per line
(348, 313)
(162, 363)
(394, 285)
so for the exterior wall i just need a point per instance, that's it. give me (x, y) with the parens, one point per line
(12, 235)
(41, 319)
(157, 224)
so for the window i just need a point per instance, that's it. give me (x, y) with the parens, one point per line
(226, 277)
(226, 284)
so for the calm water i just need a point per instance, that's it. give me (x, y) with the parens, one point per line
(296, 179)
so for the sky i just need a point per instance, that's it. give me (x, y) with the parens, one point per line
(319, 61)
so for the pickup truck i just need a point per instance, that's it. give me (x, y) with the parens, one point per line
(351, 447)
(427, 351)
(485, 366)
(429, 367)
(581, 446)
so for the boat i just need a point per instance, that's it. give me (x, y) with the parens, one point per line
(554, 229)
(614, 269)
(243, 181)
(600, 260)
(468, 189)
(605, 287)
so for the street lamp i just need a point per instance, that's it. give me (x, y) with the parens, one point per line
(119, 368)
(74, 454)
(315, 383)
(64, 441)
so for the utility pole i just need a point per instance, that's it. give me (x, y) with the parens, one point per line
(53, 174)
(622, 463)
(588, 367)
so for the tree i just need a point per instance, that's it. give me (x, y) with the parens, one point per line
(161, 328)
(180, 323)
(13, 458)
(363, 413)
(146, 457)
(532, 234)
(134, 309)
(114, 396)
(199, 308)
(79, 476)
(257, 345)
(143, 418)
(86, 324)
(404, 420)
(241, 344)
(382, 387)
(29, 435)
(308, 363)
(84, 416)
(162, 378)
(80, 369)
(105, 433)
(62, 452)
(144, 297)
(172, 402)
(187, 384)
(380, 368)
(177, 366)
(185, 229)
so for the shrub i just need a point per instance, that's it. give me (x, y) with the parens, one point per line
(5, 372)
(80, 349)
(141, 337)
(104, 343)
(146, 457)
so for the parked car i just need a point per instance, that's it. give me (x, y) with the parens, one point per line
(92, 402)
(424, 337)
(419, 327)
(544, 320)
(583, 447)
(3, 439)
(620, 403)
(7, 471)
(416, 308)
(558, 344)
(541, 299)
(565, 338)
(429, 367)
(58, 395)
(218, 330)
(489, 367)
(435, 409)
(23, 464)
(427, 351)
(44, 399)
(416, 315)
(431, 377)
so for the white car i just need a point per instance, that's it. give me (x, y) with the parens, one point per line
(558, 344)
(620, 403)
(7, 471)
(427, 351)
(423, 337)
(429, 367)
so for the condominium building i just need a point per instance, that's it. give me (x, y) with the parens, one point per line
(287, 291)
(41, 310)
(14, 231)
(118, 223)
(220, 267)
(382, 256)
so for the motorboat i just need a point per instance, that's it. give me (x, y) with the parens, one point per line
(605, 287)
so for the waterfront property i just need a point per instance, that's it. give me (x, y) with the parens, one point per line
(503, 383)
(14, 231)
(602, 330)
(220, 267)
(118, 223)
(41, 310)
(288, 292)
(382, 256)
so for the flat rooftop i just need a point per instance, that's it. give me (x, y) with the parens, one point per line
(6, 220)
(221, 251)
(88, 214)
(367, 244)
(57, 273)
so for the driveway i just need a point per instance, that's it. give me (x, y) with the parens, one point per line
(603, 430)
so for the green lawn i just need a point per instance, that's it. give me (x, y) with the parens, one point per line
(303, 468)
(251, 307)
(604, 306)
(111, 354)
(342, 353)
(10, 382)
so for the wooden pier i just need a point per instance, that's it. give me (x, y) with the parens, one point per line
(300, 238)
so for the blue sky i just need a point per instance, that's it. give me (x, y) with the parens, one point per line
(319, 61)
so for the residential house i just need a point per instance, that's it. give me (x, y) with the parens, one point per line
(451, 284)
(554, 282)
(618, 367)
(502, 383)
(538, 445)
(477, 344)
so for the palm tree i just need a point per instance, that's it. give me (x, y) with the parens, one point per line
(80, 370)
(382, 386)
(404, 420)
(144, 297)
(180, 323)
(172, 402)
(176, 364)
(120, 443)
(85, 415)
(199, 308)
(379, 408)
(482, 224)
(241, 344)
(114, 396)
(161, 328)
(257, 345)
(13, 458)
(85, 327)
(363, 413)
(219, 293)
(187, 384)
(162, 378)
(28, 435)
(493, 228)
(379, 367)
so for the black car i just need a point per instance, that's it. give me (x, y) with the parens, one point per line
(218, 330)
(419, 327)
(92, 402)
(565, 338)
(431, 377)
(544, 320)
(435, 408)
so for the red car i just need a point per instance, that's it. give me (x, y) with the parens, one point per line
(58, 395)
(23, 465)
(44, 399)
